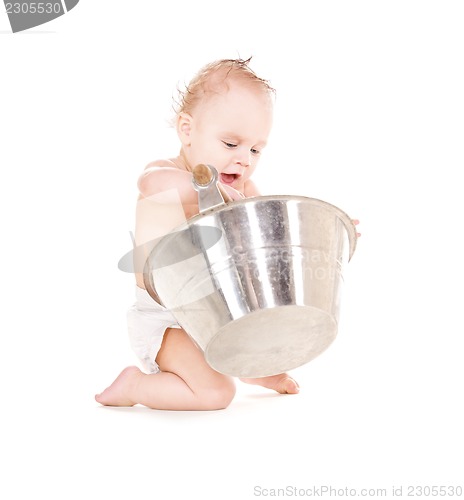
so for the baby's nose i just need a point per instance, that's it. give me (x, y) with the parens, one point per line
(243, 158)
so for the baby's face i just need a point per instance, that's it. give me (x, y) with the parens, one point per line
(229, 131)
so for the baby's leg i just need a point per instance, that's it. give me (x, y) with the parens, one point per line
(186, 381)
(282, 383)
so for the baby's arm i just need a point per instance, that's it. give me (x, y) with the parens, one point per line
(158, 179)
(166, 200)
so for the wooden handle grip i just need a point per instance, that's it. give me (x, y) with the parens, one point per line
(202, 174)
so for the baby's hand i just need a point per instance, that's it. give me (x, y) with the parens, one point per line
(230, 192)
(356, 222)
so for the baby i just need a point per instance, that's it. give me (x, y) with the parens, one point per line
(224, 119)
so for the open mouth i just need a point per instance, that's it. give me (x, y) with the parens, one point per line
(229, 178)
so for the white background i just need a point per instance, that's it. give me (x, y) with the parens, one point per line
(369, 116)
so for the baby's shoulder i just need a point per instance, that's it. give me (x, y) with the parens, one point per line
(161, 164)
(158, 172)
(162, 175)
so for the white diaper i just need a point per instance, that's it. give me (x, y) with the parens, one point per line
(147, 321)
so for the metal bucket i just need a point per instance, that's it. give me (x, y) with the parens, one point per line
(256, 283)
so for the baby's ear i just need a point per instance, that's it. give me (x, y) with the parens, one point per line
(183, 126)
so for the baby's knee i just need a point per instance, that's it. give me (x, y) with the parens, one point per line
(220, 396)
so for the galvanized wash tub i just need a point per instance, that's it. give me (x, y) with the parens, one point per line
(256, 282)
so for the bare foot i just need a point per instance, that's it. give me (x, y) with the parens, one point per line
(115, 394)
(283, 383)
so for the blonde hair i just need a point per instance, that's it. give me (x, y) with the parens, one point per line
(214, 77)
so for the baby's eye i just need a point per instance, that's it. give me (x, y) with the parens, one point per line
(255, 151)
(229, 144)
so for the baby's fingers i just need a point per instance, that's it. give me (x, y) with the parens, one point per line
(229, 192)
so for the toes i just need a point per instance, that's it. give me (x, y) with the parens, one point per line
(289, 386)
(283, 383)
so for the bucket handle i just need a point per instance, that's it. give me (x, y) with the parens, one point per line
(206, 182)
(350, 229)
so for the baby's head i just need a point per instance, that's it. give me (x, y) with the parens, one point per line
(224, 119)
(215, 78)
